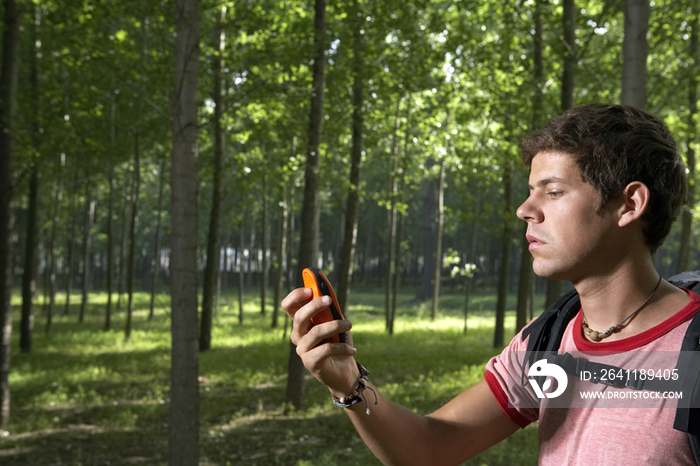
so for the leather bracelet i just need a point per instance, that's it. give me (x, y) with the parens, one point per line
(358, 394)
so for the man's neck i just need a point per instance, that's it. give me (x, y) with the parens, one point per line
(608, 299)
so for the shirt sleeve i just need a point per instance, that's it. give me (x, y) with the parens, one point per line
(509, 385)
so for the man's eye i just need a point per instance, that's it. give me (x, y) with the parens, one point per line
(554, 194)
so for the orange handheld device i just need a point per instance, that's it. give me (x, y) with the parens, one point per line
(319, 284)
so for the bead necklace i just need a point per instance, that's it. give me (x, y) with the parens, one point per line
(596, 336)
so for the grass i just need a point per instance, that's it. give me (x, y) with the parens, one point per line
(85, 396)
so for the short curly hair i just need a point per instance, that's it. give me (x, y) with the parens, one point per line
(613, 145)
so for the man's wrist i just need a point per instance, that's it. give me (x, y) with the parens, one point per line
(357, 395)
(353, 386)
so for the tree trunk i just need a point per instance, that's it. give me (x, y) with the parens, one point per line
(30, 259)
(241, 284)
(396, 275)
(250, 259)
(155, 265)
(133, 234)
(687, 218)
(472, 259)
(222, 271)
(46, 275)
(308, 245)
(212, 266)
(430, 206)
(265, 244)
(291, 243)
(134, 223)
(292, 238)
(8, 115)
(568, 79)
(524, 284)
(280, 255)
(58, 199)
(110, 213)
(437, 255)
(635, 48)
(71, 247)
(395, 279)
(392, 222)
(124, 250)
(506, 240)
(87, 243)
(352, 206)
(555, 289)
(184, 387)
(538, 72)
(110, 246)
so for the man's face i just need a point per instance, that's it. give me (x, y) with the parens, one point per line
(569, 237)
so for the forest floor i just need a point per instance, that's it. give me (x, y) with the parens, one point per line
(85, 396)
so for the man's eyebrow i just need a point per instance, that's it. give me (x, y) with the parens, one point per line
(545, 181)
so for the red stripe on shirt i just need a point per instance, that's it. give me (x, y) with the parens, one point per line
(502, 400)
(641, 339)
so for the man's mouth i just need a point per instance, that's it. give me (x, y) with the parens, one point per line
(534, 241)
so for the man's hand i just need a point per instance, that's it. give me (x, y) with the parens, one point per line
(333, 364)
(467, 425)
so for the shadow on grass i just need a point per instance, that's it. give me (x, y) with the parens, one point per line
(329, 440)
(84, 396)
(86, 444)
(252, 441)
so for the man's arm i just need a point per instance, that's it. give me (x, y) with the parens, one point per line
(467, 425)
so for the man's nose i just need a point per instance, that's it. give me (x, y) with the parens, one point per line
(528, 211)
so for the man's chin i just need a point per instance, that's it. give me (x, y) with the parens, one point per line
(550, 272)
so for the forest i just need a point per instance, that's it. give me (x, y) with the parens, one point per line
(169, 167)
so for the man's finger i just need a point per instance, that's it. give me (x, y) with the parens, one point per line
(291, 302)
(316, 334)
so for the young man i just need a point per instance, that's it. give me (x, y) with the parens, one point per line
(606, 184)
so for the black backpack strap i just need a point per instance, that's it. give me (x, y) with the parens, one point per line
(688, 418)
(695, 445)
(547, 330)
(686, 279)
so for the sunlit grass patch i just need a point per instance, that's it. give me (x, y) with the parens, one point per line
(87, 395)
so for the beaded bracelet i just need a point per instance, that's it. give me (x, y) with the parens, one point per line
(358, 394)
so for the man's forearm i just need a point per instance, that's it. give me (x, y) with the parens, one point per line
(395, 434)
(451, 435)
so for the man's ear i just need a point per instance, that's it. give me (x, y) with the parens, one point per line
(635, 198)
